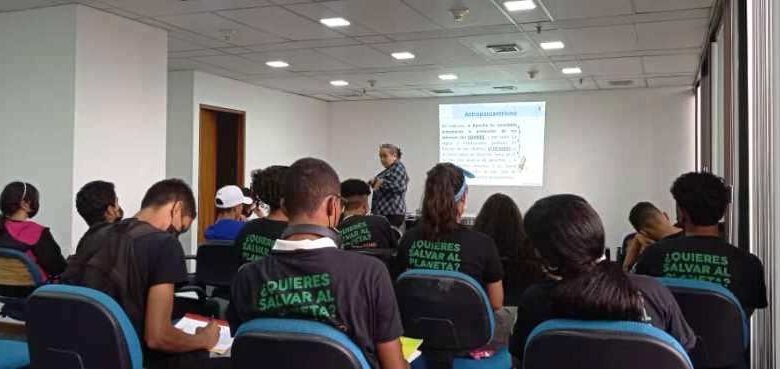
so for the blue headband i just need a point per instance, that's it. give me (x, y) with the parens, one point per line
(464, 186)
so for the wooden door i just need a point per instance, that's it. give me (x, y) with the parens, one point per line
(207, 180)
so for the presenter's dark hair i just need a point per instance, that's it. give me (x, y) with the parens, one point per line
(439, 209)
(568, 234)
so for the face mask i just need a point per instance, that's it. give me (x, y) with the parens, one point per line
(33, 212)
(176, 232)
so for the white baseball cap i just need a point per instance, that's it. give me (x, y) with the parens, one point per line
(230, 196)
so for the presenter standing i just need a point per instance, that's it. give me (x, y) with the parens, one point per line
(389, 186)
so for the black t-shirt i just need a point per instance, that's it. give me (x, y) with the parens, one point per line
(257, 238)
(159, 258)
(347, 290)
(536, 307)
(367, 232)
(466, 251)
(708, 259)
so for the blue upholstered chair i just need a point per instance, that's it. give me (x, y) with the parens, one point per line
(294, 344)
(72, 327)
(564, 344)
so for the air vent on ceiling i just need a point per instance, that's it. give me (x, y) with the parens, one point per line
(505, 88)
(621, 83)
(443, 91)
(504, 48)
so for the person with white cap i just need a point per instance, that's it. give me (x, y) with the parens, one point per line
(230, 201)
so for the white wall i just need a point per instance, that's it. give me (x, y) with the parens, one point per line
(36, 99)
(615, 148)
(120, 125)
(280, 127)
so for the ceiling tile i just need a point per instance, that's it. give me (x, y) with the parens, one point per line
(568, 9)
(301, 60)
(647, 6)
(97, 4)
(194, 38)
(671, 64)
(480, 12)
(11, 5)
(235, 63)
(318, 11)
(441, 52)
(619, 83)
(598, 40)
(217, 27)
(360, 56)
(670, 81)
(178, 45)
(154, 8)
(609, 67)
(235, 50)
(407, 93)
(292, 45)
(193, 53)
(295, 84)
(479, 44)
(383, 16)
(123, 13)
(373, 39)
(279, 21)
(325, 97)
(585, 83)
(669, 35)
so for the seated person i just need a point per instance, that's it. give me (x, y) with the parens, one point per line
(702, 254)
(258, 236)
(440, 242)
(98, 204)
(142, 279)
(501, 220)
(347, 290)
(651, 225)
(359, 230)
(19, 203)
(569, 236)
(230, 201)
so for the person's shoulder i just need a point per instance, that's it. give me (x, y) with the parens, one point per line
(376, 219)
(356, 262)
(465, 235)
(644, 282)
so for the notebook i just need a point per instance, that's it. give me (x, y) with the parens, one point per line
(190, 322)
(410, 348)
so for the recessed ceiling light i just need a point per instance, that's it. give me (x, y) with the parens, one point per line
(573, 70)
(403, 55)
(277, 64)
(335, 22)
(339, 83)
(552, 45)
(519, 5)
(448, 77)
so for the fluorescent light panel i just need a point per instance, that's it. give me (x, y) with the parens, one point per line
(519, 5)
(339, 83)
(277, 64)
(572, 70)
(335, 22)
(552, 45)
(448, 77)
(403, 55)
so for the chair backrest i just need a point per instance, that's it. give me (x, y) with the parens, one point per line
(716, 316)
(73, 327)
(449, 310)
(562, 344)
(294, 344)
(217, 263)
(18, 269)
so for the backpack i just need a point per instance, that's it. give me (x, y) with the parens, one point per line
(108, 264)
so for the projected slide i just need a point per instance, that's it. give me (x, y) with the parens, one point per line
(501, 143)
